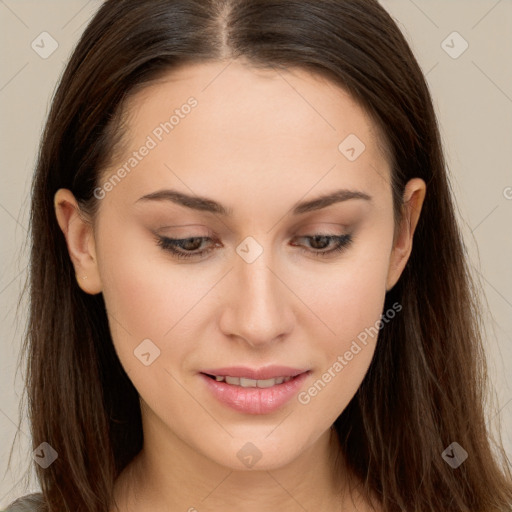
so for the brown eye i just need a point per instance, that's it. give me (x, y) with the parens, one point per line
(184, 247)
(320, 242)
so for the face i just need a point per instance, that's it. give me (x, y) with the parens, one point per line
(211, 299)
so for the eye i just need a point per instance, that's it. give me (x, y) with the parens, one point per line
(183, 248)
(338, 244)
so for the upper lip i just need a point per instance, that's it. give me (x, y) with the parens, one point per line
(267, 372)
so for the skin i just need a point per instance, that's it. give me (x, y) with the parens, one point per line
(259, 141)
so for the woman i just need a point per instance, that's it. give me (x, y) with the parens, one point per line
(230, 312)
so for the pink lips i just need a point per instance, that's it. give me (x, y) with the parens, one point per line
(255, 400)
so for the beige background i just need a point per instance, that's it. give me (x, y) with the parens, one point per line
(473, 98)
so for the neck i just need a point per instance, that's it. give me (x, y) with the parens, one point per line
(169, 475)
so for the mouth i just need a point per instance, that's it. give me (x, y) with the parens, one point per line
(254, 391)
(249, 383)
(258, 374)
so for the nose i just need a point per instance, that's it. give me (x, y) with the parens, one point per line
(258, 307)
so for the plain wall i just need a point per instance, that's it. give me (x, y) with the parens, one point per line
(473, 99)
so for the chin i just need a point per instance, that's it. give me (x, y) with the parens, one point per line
(262, 451)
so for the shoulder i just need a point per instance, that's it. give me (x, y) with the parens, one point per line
(28, 503)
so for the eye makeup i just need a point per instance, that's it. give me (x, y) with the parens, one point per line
(186, 248)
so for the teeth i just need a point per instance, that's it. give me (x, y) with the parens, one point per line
(266, 383)
(251, 383)
(248, 383)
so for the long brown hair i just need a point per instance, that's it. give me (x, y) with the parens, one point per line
(426, 386)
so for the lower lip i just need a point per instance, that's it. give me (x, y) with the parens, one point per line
(255, 400)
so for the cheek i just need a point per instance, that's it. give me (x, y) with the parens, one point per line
(146, 298)
(349, 295)
(351, 301)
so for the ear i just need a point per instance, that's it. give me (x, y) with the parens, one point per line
(80, 240)
(413, 197)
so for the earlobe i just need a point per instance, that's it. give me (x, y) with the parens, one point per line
(413, 197)
(79, 239)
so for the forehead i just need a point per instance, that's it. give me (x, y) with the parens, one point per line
(265, 128)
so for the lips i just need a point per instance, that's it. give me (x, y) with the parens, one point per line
(254, 391)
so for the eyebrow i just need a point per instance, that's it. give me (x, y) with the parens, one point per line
(209, 205)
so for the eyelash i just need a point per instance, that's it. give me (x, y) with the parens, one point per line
(169, 245)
